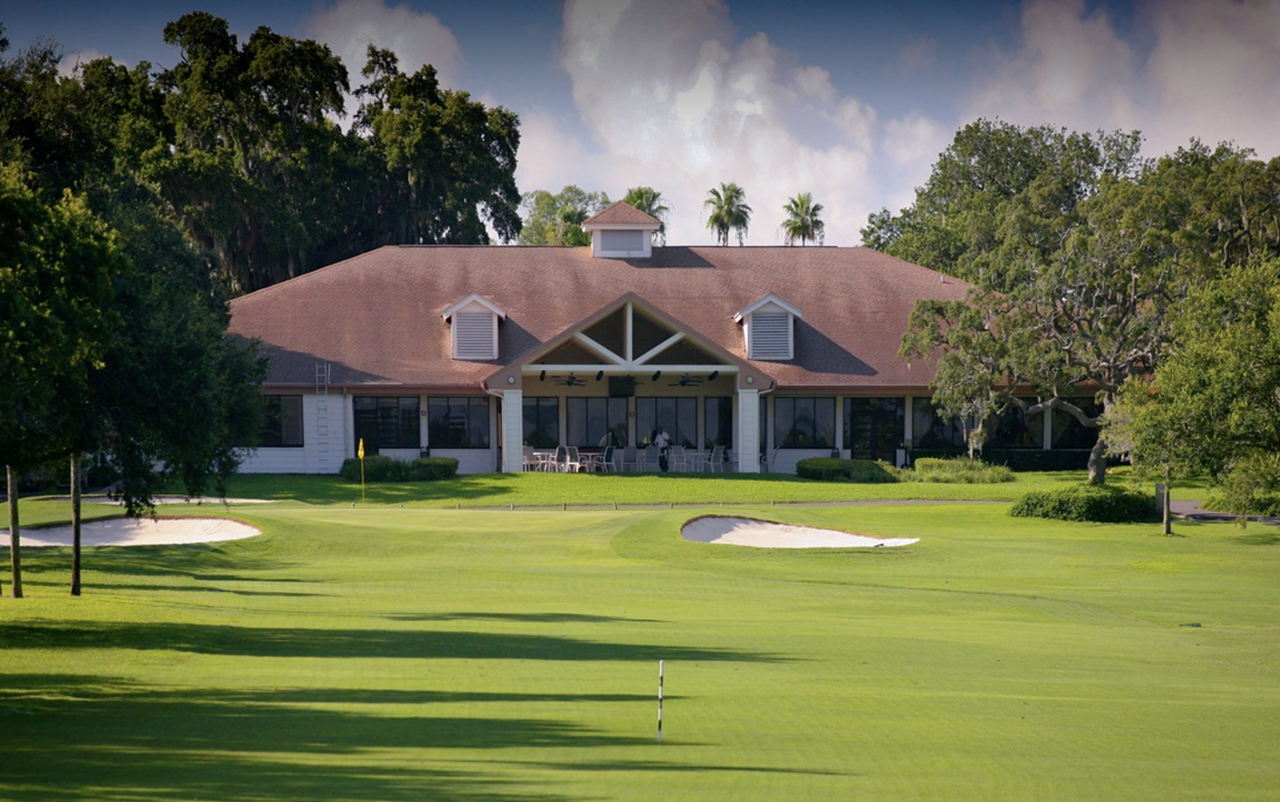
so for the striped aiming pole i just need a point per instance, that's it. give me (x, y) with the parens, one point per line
(660, 672)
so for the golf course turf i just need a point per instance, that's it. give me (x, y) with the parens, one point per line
(388, 653)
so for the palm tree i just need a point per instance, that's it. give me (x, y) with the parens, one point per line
(651, 202)
(803, 222)
(728, 212)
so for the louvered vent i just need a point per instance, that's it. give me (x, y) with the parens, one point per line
(770, 335)
(475, 335)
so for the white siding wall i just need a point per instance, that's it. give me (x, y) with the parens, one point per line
(748, 413)
(319, 454)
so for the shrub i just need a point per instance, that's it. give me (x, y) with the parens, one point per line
(379, 468)
(1092, 503)
(957, 471)
(435, 469)
(833, 469)
(1018, 459)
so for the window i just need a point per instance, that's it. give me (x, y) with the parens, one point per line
(387, 422)
(282, 425)
(678, 417)
(804, 422)
(874, 427)
(1014, 429)
(717, 422)
(595, 422)
(769, 335)
(474, 324)
(930, 430)
(542, 422)
(458, 422)
(1068, 432)
(475, 335)
(769, 328)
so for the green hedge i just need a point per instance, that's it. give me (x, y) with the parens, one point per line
(957, 471)
(833, 469)
(385, 469)
(1017, 459)
(1265, 504)
(1093, 503)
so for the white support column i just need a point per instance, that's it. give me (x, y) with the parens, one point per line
(748, 431)
(512, 431)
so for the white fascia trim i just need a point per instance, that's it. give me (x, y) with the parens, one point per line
(768, 299)
(477, 298)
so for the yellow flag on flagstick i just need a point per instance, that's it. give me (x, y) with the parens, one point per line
(360, 454)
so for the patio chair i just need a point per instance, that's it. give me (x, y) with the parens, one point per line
(714, 459)
(568, 460)
(650, 457)
(630, 459)
(677, 459)
(610, 455)
(531, 461)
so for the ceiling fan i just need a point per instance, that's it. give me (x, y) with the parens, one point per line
(686, 381)
(569, 381)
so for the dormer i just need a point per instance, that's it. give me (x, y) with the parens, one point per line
(622, 232)
(769, 328)
(474, 325)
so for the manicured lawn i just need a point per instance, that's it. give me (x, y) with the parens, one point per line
(382, 653)
(546, 489)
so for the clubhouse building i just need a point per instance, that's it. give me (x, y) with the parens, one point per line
(773, 354)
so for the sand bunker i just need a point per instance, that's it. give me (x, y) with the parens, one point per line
(772, 535)
(141, 532)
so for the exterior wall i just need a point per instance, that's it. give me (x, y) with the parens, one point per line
(324, 438)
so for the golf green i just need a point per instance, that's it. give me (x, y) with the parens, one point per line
(417, 654)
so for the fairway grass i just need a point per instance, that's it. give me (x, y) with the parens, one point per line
(535, 489)
(381, 653)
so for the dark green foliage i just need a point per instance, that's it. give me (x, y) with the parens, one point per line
(959, 471)
(238, 140)
(833, 469)
(1016, 459)
(1091, 503)
(380, 468)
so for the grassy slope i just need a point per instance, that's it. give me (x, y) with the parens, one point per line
(390, 654)
(543, 489)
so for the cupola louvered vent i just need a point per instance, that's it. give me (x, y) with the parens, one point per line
(769, 335)
(475, 335)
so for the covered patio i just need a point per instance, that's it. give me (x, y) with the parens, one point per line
(604, 389)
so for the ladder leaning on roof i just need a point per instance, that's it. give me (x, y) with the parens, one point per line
(323, 374)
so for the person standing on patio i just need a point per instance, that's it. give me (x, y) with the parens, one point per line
(663, 442)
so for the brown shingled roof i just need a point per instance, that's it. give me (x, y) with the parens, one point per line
(621, 214)
(376, 317)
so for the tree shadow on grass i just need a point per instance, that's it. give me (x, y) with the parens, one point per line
(94, 742)
(341, 643)
(531, 618)
(104, 739)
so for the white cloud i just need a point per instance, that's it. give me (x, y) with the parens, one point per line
(1190, 68)
(919, 55)
(72, 61)
(417, 38)
(671, 97)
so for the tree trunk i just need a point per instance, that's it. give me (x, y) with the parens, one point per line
(75, 525)
(1164, 505)
(1098, 463)
(15, 551)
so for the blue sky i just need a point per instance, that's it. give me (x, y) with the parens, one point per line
(850, 101)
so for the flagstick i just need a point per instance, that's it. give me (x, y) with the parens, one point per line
(660, 673)
(360, 454)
